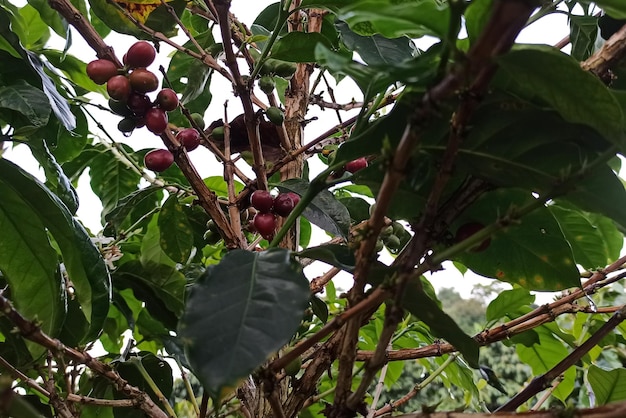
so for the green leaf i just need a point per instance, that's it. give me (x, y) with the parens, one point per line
(583, 34)
(305, 232)
(298, 46)
(546, 354)
(324, 211)
(27, 100)
(616, 8)
(558, 80)
(126, 205)
(376, 49)
(158, 369)
(390, 18)
(336, 255)
(83, 262)
(594, 239)
(507, 303)
(50, 16)
(607, 385)
(218, 185)
(241, 311)
(416, 301)
(476, 16)
(176, 233)
(29, 263)
(533, 254)
(74, 69)
(37, 32)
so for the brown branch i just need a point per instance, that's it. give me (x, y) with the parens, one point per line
(611, 53)
(31, 331)
(541, 382)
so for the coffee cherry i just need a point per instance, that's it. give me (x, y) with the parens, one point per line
(189, 138)
(118, 88)
(393, 242)
(198, 119)
(267, 84)
(262, 201)
(265, 224)
(140, 55)
(158, 160)
(156, 120)
(167, 100)
(100, 71)
(143, 81)
(283, 205)
(218, 134)
(295, 197)
(275, 115)
(356, 165)
(467, 230)
(139, 103)
(127, 125)
(119, 108)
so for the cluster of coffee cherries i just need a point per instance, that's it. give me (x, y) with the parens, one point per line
(128, 87)
(268, 207)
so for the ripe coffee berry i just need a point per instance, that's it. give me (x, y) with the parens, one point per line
(295, 197)
(156, 120)
(167, 100)
(158, 160)
(138, 103)
(283, 205)
(143, 81)
(100, 71)
(265, 224)
(189, 138)
(118, 88)
(262, 201)
(356, 165)
(140, 55)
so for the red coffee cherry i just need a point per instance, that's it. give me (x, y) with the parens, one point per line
(100, 71)
(262, 201)
(158, 160)
(283, 205)
(189, 138)
(140, 55)
(118, 88)
(156, 120)
(265, 224)
(356, 165)
(143, 81)
(167, 100)
(139, 103)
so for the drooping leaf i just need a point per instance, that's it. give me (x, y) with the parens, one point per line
(298, 46)
(533, 254)
(241, 311)
(594, 239)
(579, 96)
(176, 234)
(28, 263)
(416, 301)
(376, 49)
(546, 354)
(324, 211)
(29, 101)
(507, 303)
(336, 255)
(83, 262)
(607, 385)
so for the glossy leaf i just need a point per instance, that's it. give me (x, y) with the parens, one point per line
(579, 96)
(533, 254)
(416, 301)
(29, 263)
(176, 234)
(376, 49)
(324, 211)
(507, 303)
(546, 354)
(29, 101)
(298, 46)
(240, 312)
(594, 239)
(83, 262)
(607, 385)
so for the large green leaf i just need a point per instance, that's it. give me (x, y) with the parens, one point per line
(507, 303)
(376, 49)
(29, 263)
(416, 301)
(83, 262)
(176, 233)
(324, 211)
(390, 18)
(546, 354)
(557, 79)
(29, 101)
(595, 240)
(298, 46)
(241, 311)
(533, 254)
(608, 385)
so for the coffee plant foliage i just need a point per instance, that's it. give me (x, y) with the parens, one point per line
(461, 151)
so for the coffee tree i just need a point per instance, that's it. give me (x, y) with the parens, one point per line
(500, 157)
